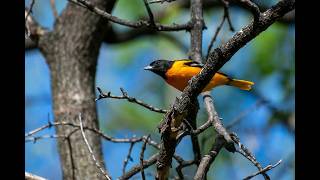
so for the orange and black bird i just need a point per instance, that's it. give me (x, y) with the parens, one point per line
(177, 73)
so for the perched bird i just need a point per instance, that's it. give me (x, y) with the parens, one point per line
(177, 73)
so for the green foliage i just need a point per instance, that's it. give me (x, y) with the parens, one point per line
(133, 117)
(266, 46)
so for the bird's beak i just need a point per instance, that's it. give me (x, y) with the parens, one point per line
(148, 68)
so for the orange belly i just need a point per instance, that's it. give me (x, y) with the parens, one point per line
(179, 78)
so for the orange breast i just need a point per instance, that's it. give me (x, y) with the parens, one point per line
(179, 75)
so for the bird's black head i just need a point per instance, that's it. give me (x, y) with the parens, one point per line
(159, 67)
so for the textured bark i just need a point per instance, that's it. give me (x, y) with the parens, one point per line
(71, 51)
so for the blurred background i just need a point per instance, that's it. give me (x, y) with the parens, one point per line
(265, 116)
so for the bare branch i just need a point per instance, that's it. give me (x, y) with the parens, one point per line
(248, 4)
(91, 152)
(27, 14)
(137, 24)
(217, 124)
(33, 30)
(35, 139)
(247, 154)
(54, 9)
(136, 169)
(226, 14)
(196, 31)
(182, 165)
(224, 17)
(29, 176)
(126, 160)
(130, 99)
(143, 148)
(161, 1)
(151, 18)
(269, 167)
(208, 159)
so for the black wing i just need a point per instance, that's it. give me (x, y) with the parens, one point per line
(194, 64)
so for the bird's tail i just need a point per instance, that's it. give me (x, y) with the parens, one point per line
(242, 84)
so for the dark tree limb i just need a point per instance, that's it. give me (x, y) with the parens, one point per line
(208, 4)
(137, 24)
(151, 18)
(208, 159)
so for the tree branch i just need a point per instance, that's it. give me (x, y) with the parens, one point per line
(136, 169)
(33, 31)
(105, 174)
(217, 124)
(208, 159)
(137, 24)
(126, 160)
(269, 167)
(130, 99)
(143, 148)
(252, 7)
(29, 176)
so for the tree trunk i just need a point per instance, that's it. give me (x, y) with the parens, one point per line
(71, 51)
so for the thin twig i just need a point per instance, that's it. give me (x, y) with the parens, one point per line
(151, 17)
(215, 36)
(130, 99)
(161, 1)
(268, 168)
(141, 157)
(54, 9)
(182, 165)
(217, 124)
(226, 14)
(36, 138)
(224, 17)
(137, 168)
(27, 30)
(29, 176)
(247, 154)
(126, 160)
(251, 6)
(208, 159)
(138, 24)
(133, 139)
(71, 157)
(91, 152)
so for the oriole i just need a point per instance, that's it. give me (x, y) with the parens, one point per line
(177, 73)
